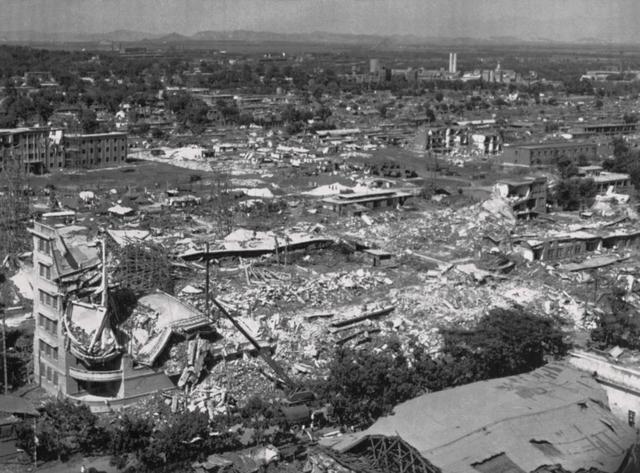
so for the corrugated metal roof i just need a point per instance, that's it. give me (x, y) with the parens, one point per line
(554, 415)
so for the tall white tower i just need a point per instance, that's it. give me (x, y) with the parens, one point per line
(453, 63)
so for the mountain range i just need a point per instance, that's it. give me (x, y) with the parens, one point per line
(129, 36)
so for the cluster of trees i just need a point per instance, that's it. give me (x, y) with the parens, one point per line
(190, 112)
(65, 428)
(573, 192)
(365, 384)
(624, 160)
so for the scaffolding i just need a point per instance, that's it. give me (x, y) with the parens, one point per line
(141, 267)
(14, 210)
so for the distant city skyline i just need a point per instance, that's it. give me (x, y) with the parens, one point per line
(559, 20)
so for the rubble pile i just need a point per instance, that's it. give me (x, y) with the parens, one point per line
(299, 288)
(457, 232)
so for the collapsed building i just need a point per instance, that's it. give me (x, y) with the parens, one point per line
(554, 419)
(95, 340)
(579, 243)
(527, 197)
(459, 137)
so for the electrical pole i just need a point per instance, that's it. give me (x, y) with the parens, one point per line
(206, 293)
(4, 349)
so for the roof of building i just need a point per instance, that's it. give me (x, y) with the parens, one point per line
(72, 250)
(611, 176)
(525, 181)
(113, 134)
(16, 405)
(15, 131)
(555, 415)
(550, 145)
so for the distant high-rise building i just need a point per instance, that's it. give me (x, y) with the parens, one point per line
(374, 66)
(453, 63)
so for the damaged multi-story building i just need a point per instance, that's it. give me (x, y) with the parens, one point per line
(527, 197)
(89, 345)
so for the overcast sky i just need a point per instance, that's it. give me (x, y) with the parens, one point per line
(610, 20)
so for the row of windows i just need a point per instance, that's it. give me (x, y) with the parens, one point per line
(50, 373)
(44, 246)
(91, 142)
(44, 271)
(48, 299)
(98, 161)
(556, 152)
(48, 324)
(51, 352)
(107, 148)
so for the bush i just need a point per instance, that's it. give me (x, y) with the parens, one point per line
(129, 434)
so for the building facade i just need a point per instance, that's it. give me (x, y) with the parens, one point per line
(95, 150)
(38, 150)
(606, 129)
(547, 154)
(620, 380)
(527, 197)
(76, 353)
(41, 150)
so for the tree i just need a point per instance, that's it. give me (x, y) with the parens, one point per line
(183, 438)
(88, 121)
(505, 342)
(624, 160)
(619, 322)
(130, 434)
(620, 147)
(63, 428)
(575, 193)
(364, 385)
(566, 167)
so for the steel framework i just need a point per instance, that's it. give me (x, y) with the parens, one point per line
(394, 455)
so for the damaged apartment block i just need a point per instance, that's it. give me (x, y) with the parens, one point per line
(98, 342)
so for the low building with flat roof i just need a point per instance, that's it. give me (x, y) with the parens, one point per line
(547, 154)
(604, 129)
(363, 201)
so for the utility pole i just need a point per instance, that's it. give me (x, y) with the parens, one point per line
(4, 349)
(206, 290)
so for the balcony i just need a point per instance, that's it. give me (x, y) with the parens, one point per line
(95, 376)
